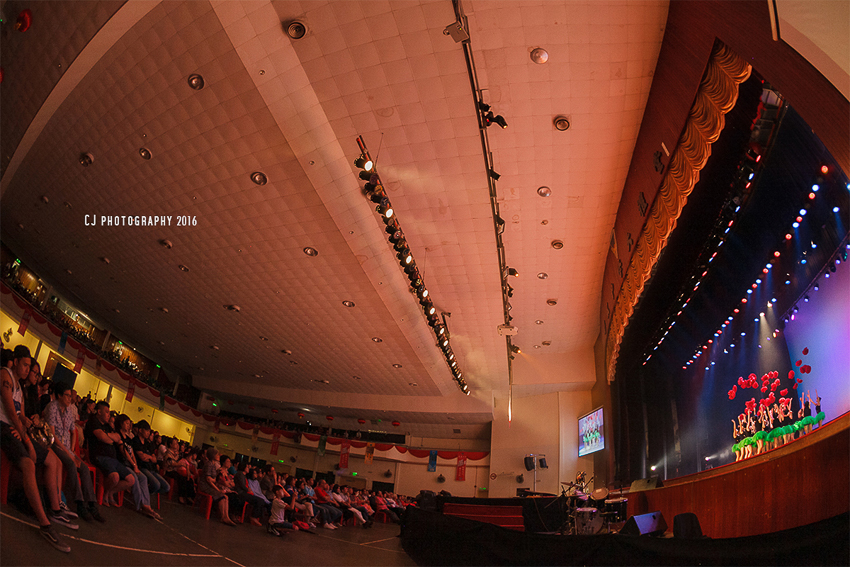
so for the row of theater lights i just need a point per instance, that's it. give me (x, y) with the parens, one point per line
(375, 192)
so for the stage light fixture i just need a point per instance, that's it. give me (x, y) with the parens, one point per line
(385, 210)
(364, 163)
(377, 194)
(500, 225)
(492, 173)
(367, 176)
(515, 349)
(404, 256)
(489, 120)
(796, 309)
(806, 299)
(513, 272)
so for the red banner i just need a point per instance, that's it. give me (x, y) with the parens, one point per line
(25, 322)
(460, 474)
(275, 443)
(81, 356)
(370, 453)
(130, 391)
(343, 455)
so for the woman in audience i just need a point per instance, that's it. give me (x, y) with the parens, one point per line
(344, 503)
(380, 504)
(141, 496)
(178, 469)
(207, 484)
(241, 481)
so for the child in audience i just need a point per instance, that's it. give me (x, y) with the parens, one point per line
(277, 520)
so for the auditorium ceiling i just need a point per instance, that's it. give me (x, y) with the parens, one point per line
(111, 79)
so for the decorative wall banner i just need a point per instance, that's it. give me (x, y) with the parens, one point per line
(275, 443)
(370, 453)
(460, 473)
(25, 322)
(323, 443)
(343, 455)
(81, 357)
(130, 391)
(432, 461)
(63, 340)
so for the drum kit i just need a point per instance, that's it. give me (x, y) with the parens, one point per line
(590, 512)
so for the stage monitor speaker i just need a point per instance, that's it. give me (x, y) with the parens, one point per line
(686, 526)
(645, 524)
(646, 484)
(529, 463)
(542, 463)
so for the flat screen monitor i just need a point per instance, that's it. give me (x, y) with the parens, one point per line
(591, 433)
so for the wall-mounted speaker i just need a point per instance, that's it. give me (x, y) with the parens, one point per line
(646, 484)
(541, 462)
(529, 463)
(645, 524)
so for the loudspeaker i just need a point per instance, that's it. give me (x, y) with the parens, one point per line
(64, 375)
(542, 463)
(645, 524)
(529, 463)
(646, 484)
(686, 526)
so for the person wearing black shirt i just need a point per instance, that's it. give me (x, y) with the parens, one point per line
(102, 441)
(146, 459)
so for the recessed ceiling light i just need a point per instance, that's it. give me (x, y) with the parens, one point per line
(68, 205)
(145, 153)
(184, 268)
(86, 159)
(310, 251)
(233, 308)
(296, 30)
(544, 222)
(196, 81)
(544, 191)
(542, 275)
(45, 199)
(69, 272)
(377, 339)
(164, 309)
(166, 244)
(257, 376)
(547, 343)
(552, 302)
(561, 123)
(286, 351)
(214, 347)
(539, 55)
(262, 338)
(320, 382)
(536, 346)
(396, 365)
(348, 303)
(117, 310)
(412, 384)
(259, 178)
(557, 244)
(293, 362)
(356, 377)
(539, 322)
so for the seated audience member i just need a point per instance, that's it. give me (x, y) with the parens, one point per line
(103, 443)
(268, 482)
(277, 519)
(161, 448)
(146, 459)
(258, 504)
(301, 500)
(207, 484)
(380, 505)
(127, 457)
(61, 415)
(393, 505)
(177, 468)
(254, 488)
(23, 453)
(327, 503)
(86, 408)
(235, 502)
(344, 503)
(29, 385)
(45, 393)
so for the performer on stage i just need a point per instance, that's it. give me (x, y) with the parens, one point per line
(807, 416)
(819, 415)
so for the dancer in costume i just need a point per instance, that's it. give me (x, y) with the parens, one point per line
(807, 416)
(736, 435)
(819, 415)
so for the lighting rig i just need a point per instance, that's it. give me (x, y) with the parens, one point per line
(374, 191)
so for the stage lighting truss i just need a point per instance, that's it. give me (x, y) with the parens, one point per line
(374, 191)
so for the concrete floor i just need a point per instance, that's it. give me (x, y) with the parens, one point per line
(184, 537)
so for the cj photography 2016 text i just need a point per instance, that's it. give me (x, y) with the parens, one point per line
(140, 220)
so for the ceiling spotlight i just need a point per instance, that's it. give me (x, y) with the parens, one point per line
(539, 55)
(196, 81)
(538, 322)
(396, 365)
(557, 244)
(367, 176)
(500, 225)
(377, 339)
(364, 163)
(310, 251)
(544, 191)
(489, 119)
(542, 275)
(551, 302)
(492, 173)
(384, 209)
(296, 30)
(561, 123)
(817, 287)
(86, 159)
(183, 268)
(515, 349)
(513, 272)
(348, 303)
(166, 244)
(145, 153)
(259, 178)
